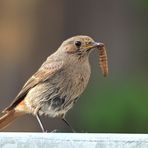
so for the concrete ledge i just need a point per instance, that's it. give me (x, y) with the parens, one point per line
(72, 140)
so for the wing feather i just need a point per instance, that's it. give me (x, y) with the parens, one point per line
(46, 71)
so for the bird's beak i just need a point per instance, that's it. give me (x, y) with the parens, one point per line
(94, 45)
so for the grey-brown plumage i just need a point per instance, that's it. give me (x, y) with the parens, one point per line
(61, 79)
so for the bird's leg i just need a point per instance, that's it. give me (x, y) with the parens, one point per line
(67, 123)
(40, 123)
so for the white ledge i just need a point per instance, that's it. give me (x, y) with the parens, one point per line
(72, 140)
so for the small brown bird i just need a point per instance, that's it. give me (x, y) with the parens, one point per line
(58, 83)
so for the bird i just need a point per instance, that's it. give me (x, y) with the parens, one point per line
(56, 86)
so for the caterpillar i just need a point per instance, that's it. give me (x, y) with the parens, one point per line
(103, 60)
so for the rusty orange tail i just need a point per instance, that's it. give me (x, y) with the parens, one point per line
(8, 117)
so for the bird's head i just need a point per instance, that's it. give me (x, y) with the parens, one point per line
(79, 46)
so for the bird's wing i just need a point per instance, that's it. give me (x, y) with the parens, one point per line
(46, 72)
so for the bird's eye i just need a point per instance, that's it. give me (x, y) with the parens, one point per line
(89, 42)
(78, 43)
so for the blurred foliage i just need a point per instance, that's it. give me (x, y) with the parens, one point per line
(114, 108)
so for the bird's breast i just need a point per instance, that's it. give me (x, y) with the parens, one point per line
(58, 94)
(77, 78)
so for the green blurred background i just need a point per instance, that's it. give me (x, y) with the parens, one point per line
(30, 30)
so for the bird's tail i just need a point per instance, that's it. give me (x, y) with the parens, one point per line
(9, 117)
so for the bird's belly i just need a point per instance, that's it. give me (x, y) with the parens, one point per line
(55, 97)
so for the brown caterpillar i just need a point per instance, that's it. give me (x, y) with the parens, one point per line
(103, 61)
